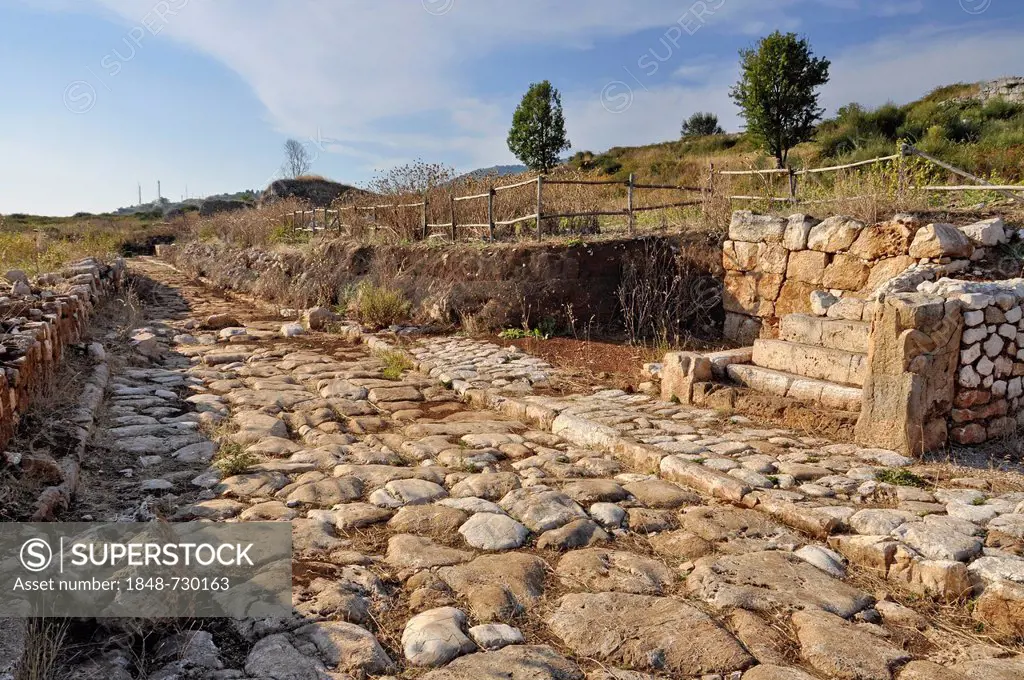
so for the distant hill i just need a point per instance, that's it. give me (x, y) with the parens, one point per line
(976, 126)
(493, 171)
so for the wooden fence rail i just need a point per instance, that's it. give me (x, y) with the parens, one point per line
(327, 218)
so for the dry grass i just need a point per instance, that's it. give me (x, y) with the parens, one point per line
(42, 244)
(45, 642)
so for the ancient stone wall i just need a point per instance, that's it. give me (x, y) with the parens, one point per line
(990, 369)
(38, 320)
(773, 264)
(1008, 89)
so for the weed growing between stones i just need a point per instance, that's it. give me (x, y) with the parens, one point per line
(395, 363)
(900, 477)
(232, 459)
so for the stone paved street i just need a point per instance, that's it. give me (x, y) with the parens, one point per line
(467, 521)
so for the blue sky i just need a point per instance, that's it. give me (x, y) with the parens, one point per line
(102, 94)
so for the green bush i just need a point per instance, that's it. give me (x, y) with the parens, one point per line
(381, 306)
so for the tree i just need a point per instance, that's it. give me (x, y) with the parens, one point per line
(702, 124)
(778, 92)
(538, 136)
(296, 159)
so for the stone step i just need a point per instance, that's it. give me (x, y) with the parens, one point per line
(782, 384)
(811, 361)
(849, 336)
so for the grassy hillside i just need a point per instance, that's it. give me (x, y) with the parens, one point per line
(948, 122)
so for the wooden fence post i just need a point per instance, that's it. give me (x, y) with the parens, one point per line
(490, 213)
(629, 204)
(423, 225)
(454, 232)
(792, 183)
(540, 203)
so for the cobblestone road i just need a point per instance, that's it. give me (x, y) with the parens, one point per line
(459, 522)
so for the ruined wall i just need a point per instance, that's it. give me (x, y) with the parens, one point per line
(38, 320)
(990, 370)
(774, 264)
(777, 266)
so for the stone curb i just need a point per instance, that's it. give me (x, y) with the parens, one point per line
(58, 498)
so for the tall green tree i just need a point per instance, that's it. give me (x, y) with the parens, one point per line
(701, 124)
(538, 136)
(778, 92)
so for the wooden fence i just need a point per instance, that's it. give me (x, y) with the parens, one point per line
(906, 152)
(319, 219)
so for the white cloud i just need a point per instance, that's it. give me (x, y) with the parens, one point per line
(344, 67)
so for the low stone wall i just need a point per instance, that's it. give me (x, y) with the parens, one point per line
(38, 320)
(774, 264)
(990, 369)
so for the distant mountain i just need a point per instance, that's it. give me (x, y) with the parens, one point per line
(494, 171)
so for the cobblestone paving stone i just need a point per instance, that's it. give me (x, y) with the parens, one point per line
(458, 523)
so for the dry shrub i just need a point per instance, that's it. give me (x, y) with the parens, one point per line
(45, 642)
(379, 306)
(668, 295)
(251, 227)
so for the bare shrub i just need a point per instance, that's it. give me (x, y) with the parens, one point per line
(667, 295)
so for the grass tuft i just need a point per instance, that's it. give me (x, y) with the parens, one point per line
(395, 363)
(232, 459)
(901, 477)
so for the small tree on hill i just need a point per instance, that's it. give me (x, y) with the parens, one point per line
(778, 92)
(296, 159)
(538, 136)
(701, 124)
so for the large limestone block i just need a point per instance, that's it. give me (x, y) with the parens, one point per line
(739, 256)
(821, 363)
(988, 233)
(798, 228)
(772, 581)
(680, 370)
(835, 234)
(647, 633)
(889, 239)
(913, 357)
(850, 336)
(840, 649)
(885, 270)
(740, 293)
(794, 298)
(940, 240)
(807, 266)
(845, 273)
(753, 228)
(772, 258)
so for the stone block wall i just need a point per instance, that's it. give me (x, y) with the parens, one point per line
(38, 320)
(989, 399)
(774, 264)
